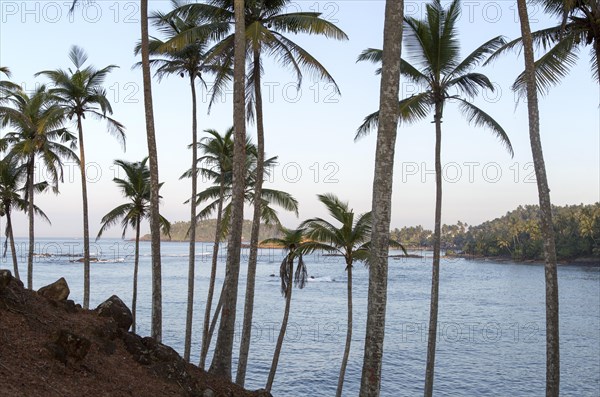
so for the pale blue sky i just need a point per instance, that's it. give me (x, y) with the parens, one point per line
(312, 128)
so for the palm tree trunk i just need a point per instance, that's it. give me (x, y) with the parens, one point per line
(251, 279)
(206, 335)
(340, 385)
(382, 199)
(86, 227)
(437, 236)
(192, 263)
(136, 262)
(221, 364)
(213, 322)
(156, 330)
(30, 182)
(286, 315)
(11, 239)
(552, 323)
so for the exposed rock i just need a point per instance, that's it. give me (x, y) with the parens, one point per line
(114, 308)
(5, 277)
(208, 393)
(69, 345)
(58, 290)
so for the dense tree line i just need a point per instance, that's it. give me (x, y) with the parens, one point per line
(517, 234)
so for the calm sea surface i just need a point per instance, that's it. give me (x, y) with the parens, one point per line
(491, 339)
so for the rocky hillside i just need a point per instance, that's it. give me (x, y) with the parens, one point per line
(50, 346)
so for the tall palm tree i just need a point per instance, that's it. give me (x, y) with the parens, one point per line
(80, 93)
(433, 44)
(266, 26)
(382, 198)
(37, 132)
(221, 364)
(156, 329)
(294, 245)
(579, 27)
(547, 229)
(217, 157)
(186, 61)
(136, 188)
(12, 185)
(219, 194)
(351, 239)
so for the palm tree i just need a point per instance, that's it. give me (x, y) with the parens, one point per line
(579, 27)
(351, 240)
(80, 93)
(266, 27)
(186, 61)
(221, 364)
(12, 178)
(136, 188)
(217, 156)
(293, 243)
(217, 195)
(38, 133)
(433, 43)
(156, 329)
(547, 229)
(382, 198)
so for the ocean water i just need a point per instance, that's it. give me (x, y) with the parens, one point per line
(491, 339)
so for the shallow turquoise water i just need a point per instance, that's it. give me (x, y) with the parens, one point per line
(491, 339)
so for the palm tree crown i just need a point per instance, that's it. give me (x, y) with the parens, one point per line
(136, 187)
(433, 46)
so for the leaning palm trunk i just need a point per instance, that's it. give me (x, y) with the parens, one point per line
(286, 315)
(251, 279)
(552, 323)
(221, 364)
(382, 199)
(206, 336)
(136, 262)
(86, 228)
(192, 255)
(340, 385)
(156, 330)
(213, 322)
(30, 182)
(11, 239)
(435, 277)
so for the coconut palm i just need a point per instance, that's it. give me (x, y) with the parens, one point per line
(217, 157)
(266, 26)
(433, 44)
(12, 185)
(351, 239)
(221, 364)
(382, 199)
(546, 225)
(294, 245)
(37, 133)
(579, 27)
(186, 61)
(135, 187)
(81, 94)
(218, 195)
(156, 329)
